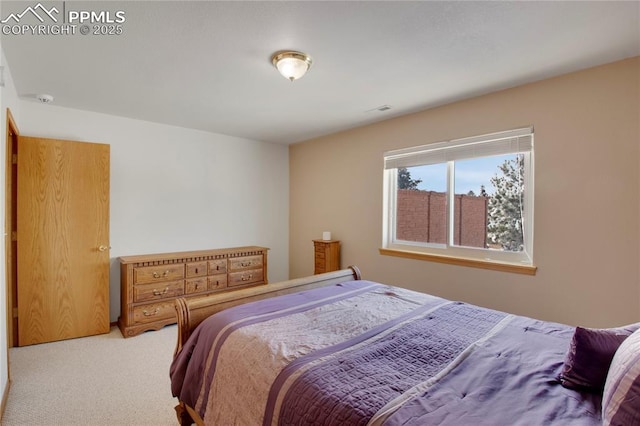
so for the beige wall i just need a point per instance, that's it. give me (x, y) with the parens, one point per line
(587, 139)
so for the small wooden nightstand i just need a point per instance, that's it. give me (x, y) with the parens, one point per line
(326, 255)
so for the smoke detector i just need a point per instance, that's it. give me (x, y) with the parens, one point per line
(44, 98)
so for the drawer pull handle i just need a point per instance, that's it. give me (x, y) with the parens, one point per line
(245, 264)
(157, 275)
(248, 278)
(150, 314)
(160, 293)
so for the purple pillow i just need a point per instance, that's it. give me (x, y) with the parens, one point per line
(589, 356)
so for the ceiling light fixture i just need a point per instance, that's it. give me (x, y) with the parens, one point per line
(291, 64)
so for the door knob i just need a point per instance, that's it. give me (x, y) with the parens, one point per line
(103, 248)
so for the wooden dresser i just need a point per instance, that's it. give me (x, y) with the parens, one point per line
(326, 256)
(150, 283)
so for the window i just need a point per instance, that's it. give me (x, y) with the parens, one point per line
(468, 198)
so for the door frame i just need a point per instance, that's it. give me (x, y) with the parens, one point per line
(9, 230)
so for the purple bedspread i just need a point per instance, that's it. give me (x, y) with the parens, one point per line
(187, 370)
(360, 382)
(445, 363)
(509, 380)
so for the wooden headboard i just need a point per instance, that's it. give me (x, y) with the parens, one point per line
(192, 311)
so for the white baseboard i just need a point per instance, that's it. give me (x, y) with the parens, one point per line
(5, 396)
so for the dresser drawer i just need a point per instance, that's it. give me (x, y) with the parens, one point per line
(245, 262)
(218, 266)
(196, 269)
(149, 274)
(326, 256)
(196, 285)
(156, 291)
(153, 312)
(218, 282)
(246, 277)
(150, 284)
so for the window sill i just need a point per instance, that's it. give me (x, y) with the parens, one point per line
(462, 261)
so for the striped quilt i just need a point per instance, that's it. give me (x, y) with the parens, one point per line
(365, 353)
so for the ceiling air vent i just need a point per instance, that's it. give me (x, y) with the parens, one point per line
(381, 108)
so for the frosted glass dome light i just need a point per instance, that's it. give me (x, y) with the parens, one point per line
(292, 65)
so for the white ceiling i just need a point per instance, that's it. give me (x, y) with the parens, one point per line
(206, 64)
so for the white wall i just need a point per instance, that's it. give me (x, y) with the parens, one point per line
(8, 99)
(176, 189)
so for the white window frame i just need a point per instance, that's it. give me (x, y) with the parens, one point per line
(517, 141)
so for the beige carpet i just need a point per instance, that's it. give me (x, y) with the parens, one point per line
(98, 380)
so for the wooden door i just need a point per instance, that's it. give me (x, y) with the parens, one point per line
(63, 239)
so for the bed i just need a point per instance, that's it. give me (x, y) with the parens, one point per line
(334, 349)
